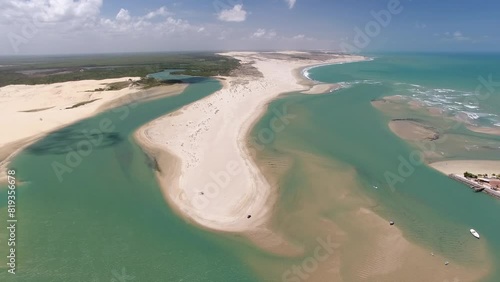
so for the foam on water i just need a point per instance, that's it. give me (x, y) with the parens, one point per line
(453, 102)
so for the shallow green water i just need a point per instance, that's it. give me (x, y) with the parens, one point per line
(107, 217)
(431, 209)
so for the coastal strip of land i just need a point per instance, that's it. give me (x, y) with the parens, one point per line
(30, 112)
(218, 185)
(480, 175)
(473, 166)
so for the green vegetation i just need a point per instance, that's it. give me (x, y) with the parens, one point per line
(148, 82)
(44, 70)
(82, 103)
(118, 85)
(469, 175)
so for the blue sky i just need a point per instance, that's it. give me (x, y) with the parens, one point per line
(102, 26)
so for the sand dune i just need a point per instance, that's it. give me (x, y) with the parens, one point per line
(29, 112)
(219, 185)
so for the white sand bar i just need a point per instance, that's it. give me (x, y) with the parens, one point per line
(219, 186)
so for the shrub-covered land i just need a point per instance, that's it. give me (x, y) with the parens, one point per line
(53, 69)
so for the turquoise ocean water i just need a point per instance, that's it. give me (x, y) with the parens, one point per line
(108, 217)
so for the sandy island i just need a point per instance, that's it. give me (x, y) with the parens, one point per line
(29, 112)
(218, 185)
(485, 130)
(413, 130)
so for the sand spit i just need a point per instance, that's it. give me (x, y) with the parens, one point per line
(219, 186)
(472, 166)
(413, 130)
(322, 88)
(29, 112)
(485, 130)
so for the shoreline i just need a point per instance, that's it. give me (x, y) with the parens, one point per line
(473, 166)
(218, 185)
(304, 71)
(38, 123)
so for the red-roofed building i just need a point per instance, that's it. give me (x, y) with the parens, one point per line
(495, 183)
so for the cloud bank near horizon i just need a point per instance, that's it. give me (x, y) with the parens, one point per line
(97, 26)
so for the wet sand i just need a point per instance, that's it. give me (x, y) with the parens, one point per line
(322, 89)
(328, 207)
(412, 130)
(485, 130)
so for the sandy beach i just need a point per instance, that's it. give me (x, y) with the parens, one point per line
(472, 166)
(218, 185)
(29, 112)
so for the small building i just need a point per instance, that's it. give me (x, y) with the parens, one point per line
(495, 183)
(483, 180)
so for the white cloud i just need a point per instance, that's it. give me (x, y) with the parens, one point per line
(161, 12)
(123, 15)
(71, 26)
(236, 14)
(126, 25)
(455, 36)
(291, 3)
(459, 36)
(49, 11)
(259, 33)
(263, 33)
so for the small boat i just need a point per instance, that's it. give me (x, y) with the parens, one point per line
(474, 233)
